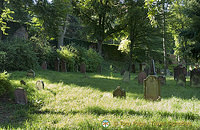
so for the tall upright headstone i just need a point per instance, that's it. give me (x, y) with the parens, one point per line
(180, 73)
(152, 88)
(44, 65)
(195, 78)
(83, 68)
(141, 77)
(126, 76)
(63, 66)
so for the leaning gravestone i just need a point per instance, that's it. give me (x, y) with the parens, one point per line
(152, 88)
(141, 77)
(30, 73)
(195, 78)
(63, 66)
(126, 76)
(20, 96)
(162, 79)
(118, 92)
(83, 68)
(40, 84)
(44, 65)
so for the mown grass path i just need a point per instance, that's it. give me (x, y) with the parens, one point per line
(75, 101)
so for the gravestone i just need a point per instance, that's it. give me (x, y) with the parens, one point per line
(57, 64)
(44, 65)
(178, 70)
(118, 92)
(126, 76)
(141, 77)
(30, 73)
(162, 79)
(146, 70)
(181, 80)
(195, 78)
(63, 66)
(21, 33)
(40, 84)
(133, 68)
(83, 68)
(20, 96)
(122, 72)
(152, 88)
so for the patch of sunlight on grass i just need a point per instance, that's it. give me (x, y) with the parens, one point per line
(106, 77)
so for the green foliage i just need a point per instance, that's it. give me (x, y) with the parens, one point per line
(19, 54)
(5, 85)
(75, 55)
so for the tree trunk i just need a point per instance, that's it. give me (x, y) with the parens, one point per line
(61, 35)
(100, 47)
(164, 39)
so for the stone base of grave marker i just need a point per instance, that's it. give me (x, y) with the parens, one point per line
(152, 88)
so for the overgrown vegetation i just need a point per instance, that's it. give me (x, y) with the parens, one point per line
(73, 101)
(5, 86)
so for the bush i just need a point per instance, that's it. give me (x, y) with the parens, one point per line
(5, 85)
(19, 54)
(75, 55)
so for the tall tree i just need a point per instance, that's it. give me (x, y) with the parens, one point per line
(100, 16)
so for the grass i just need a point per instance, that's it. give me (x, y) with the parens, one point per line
(78, 101)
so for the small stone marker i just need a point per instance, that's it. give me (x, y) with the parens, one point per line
(57, 64)
(141, 77)
(20, 96)
(162, 80)
(152, 88)
(30, 73)
(181, 80)
(83, 68)
(44, 65)
(195, 78)
(63, 66)
(118, 92)
(40, 84)
(126, 76)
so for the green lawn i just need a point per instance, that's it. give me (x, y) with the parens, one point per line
(74, 101)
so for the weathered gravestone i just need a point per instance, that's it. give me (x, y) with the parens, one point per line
(57, 64)
(83, 68)
(141, 77)
(162, 79)
(126, 76)
(21, 33)
(195, 78)
(63, 66)
(30, 73)
(40, 84)
(44, 65)
(118, 92)
(179, 75)
(147, 70)
(152, 88)
(20, 96)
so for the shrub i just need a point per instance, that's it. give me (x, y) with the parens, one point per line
(75, 55)
(5, 85)
(19, 54)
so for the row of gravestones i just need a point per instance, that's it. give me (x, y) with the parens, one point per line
(151, 89)
(180, 73)
(20, 93)
(60, 65)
